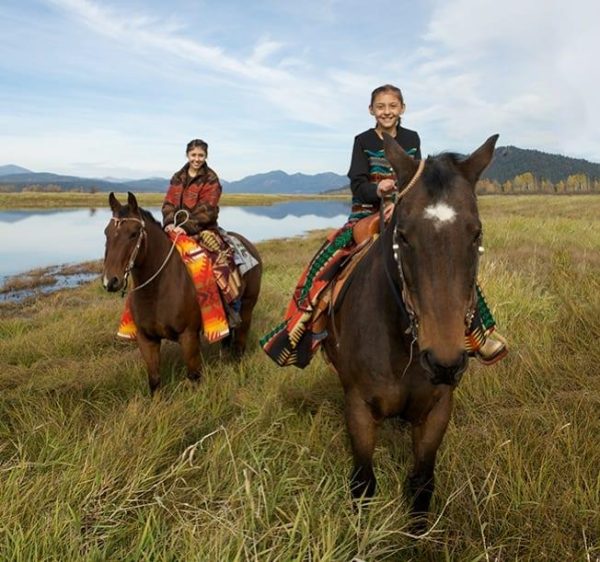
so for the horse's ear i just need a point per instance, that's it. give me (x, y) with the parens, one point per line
(474, 165)
(132, 201)
(115, 206)
(404, 165)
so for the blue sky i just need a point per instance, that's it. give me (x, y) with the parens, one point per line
(117, 88)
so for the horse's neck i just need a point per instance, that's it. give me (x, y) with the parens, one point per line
(365, 273)
(157, 248)
(379, 285)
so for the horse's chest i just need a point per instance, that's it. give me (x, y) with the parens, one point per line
(399, 398)
(159, 320)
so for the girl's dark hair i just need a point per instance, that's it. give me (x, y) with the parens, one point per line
(196, 143)
(387, 88)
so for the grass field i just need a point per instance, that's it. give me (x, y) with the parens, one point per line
(35, 200)
(252, 463)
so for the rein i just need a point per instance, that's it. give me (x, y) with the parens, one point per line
(402, 299)
(134, 254)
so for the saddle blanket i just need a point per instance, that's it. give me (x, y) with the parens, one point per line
(242, 257)
(214, 318)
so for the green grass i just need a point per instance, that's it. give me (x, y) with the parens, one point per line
(252, 463)
(38, 200)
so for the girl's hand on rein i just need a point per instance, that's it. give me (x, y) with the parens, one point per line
(385, 187)
(175, 229)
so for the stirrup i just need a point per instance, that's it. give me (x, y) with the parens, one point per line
(493, 350)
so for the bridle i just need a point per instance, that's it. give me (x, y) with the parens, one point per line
(142, 235)
(136, 249)
(403, 299)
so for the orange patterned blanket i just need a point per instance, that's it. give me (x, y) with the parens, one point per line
(214, 319)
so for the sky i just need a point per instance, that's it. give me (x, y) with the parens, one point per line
(116, 88)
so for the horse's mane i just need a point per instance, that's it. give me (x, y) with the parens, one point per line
(439, 173)
(146, 215)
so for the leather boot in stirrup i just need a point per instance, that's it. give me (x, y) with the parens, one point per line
(493, 349)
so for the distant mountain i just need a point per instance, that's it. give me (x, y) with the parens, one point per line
(280, 182)
(510, 161)
(45, 180)
(148, 184)
(12, 169)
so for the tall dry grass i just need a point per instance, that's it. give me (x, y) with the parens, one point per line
(252, 463)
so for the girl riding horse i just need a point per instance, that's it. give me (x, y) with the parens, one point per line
(372, 179)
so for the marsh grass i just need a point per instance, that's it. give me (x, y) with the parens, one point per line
(42, 277)
(252, 463)
(39, 200)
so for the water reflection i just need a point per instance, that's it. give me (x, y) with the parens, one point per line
(41, 238)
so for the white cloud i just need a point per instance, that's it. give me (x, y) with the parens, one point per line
(302, 97)
(271, 86)
(521, 68)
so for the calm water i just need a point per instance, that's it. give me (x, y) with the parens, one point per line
(34, 239)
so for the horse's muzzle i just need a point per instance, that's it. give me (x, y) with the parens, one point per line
(112, 284)
(444, 373)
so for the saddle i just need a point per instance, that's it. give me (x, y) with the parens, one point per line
(333, 294)
(366, 228)
(225, 269)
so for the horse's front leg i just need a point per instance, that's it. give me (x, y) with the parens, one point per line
(190, 345)
(427, 437)
(150, 350)
(362, 429)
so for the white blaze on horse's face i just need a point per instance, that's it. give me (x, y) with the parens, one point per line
(441, 214)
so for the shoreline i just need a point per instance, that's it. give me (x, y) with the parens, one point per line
(39, 200)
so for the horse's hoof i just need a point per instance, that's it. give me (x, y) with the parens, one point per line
(418, 524)
(195, 376)
(362, 489)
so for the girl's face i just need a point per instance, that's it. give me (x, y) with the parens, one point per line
(196, 157)
(387, 109)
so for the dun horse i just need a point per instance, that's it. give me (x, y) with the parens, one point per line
(397, 338)
(165, 307)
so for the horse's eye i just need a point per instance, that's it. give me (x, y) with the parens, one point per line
(477, 238)
(133, 236)
(402, 239)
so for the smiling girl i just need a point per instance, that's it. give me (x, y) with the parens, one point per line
(296, 339)
(196, 189)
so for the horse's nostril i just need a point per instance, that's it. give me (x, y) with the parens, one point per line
(443, 373)
(112, 284)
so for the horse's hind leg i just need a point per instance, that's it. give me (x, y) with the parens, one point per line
(190, 345)
(240, 334)
(362, 428)
(427, 437)
(150, 350)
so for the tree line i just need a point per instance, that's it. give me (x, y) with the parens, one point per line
(527, 183)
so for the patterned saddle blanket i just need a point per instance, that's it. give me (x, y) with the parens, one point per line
(214, 319)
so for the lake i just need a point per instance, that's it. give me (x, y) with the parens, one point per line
(31, 239)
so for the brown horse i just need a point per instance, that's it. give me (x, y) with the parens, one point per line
(163, 302)
(416, 285)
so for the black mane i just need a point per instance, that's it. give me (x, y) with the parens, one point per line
(124, 212)
(147, 216)
(440, 172)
